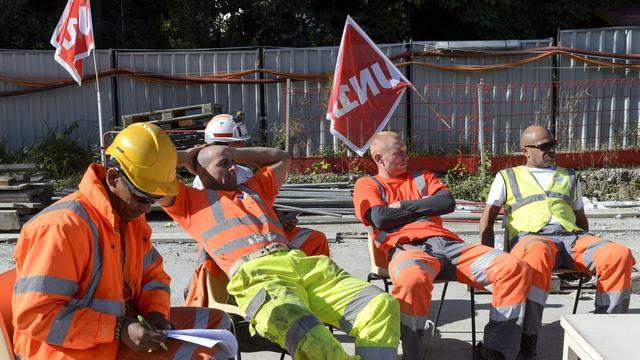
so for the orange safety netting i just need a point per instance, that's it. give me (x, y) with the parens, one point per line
(39, 84)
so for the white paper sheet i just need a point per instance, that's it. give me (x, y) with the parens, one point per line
(225, 340)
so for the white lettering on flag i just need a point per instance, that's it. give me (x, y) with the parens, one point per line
(73, 37)
(367, 88)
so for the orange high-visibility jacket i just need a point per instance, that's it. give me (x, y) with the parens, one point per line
(377, 191)
(231, 224)
(71, 281)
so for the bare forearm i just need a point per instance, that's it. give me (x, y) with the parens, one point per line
(487, 237)
(581, 219)
(258, 156)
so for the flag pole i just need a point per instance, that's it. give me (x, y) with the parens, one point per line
(440, 117)
(102, 154)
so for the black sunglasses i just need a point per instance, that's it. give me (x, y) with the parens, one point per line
(139, 195)
(544, 146)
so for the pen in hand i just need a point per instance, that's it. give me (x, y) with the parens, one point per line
(150, 328)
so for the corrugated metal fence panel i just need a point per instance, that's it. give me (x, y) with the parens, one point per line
(25, 118)
(452, 94)
(598, 112)
(136, 96)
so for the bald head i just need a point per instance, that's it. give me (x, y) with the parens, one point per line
(383, 141)
(534, 134)
(209, 155)
(217, 170)
(538, 146)
(389, 153)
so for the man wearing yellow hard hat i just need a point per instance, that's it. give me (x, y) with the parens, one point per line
(86, 267)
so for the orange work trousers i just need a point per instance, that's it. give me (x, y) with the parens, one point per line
(554, 248)
(184, 318)
(414, 267)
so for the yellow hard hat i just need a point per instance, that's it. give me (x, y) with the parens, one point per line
(148, 157)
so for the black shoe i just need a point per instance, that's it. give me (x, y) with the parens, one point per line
(528, 345)
(485, 353)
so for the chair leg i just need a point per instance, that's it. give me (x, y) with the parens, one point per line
(575, 303)
(473, 320)
(233, 331)
(385, 280)
(444, 292)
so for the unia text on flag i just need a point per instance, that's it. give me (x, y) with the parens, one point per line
(73, 37)
(366, 90)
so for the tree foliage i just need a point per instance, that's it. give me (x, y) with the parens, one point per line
(145, 24)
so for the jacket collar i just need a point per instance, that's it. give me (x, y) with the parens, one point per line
(92, 188)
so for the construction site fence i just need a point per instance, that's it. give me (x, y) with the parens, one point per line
(37, 96)
(483, 118)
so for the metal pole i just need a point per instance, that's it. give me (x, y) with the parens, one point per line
(408, 120)
(287, 115)
(100, 128)
(481, 126)
(262, 91)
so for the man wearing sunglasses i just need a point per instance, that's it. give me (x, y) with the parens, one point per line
(286, 294)
(86, 267)
(548, 228)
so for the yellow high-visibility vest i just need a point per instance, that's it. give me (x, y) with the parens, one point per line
(529, 207)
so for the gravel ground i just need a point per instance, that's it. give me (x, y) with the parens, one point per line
(453, 339)
(180, 255)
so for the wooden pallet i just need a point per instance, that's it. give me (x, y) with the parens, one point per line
(184, 117)
(22, 194)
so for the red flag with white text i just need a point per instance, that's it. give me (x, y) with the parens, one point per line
(366, 90)
(73, 37)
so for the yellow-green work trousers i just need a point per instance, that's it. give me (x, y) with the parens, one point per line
(288, 296)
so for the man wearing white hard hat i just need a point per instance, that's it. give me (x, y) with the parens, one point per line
(226, 129)
(229, 130)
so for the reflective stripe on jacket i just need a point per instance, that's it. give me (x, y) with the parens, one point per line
(231, 224)
(420, 229)
(71, 287)
(529, 207)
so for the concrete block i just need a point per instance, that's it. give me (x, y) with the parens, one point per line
(555, 284)
(635, 282)
(9, 220)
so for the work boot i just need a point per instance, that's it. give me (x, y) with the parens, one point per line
(485, 353)
(528, 345)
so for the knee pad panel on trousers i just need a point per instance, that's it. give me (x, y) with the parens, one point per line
(413, 267)
(613, 263)
(510, 278)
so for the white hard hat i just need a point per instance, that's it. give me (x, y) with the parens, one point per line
(225, 128)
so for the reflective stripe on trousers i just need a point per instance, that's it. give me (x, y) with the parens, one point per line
(290, 294)
(584, 252)
(476, 265)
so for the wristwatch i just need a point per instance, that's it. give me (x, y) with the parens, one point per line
(119, 325)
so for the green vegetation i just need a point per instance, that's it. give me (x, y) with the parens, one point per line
(159, 24)
(318, 167)
(63, 161)
(467, 185)
(59, 157)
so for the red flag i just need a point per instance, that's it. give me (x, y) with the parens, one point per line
(73, 37)
(366, 90)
